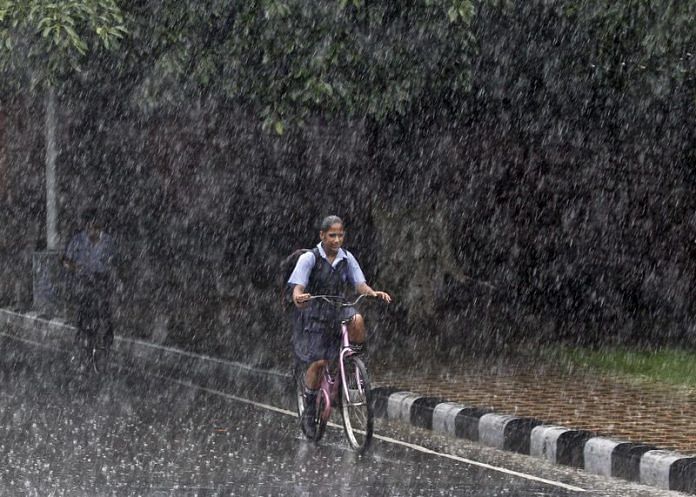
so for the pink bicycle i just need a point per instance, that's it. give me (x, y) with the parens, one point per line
(344, 384)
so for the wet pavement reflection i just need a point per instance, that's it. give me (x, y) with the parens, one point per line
(130, 434)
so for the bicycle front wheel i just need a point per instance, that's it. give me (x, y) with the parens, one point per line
(356, 404)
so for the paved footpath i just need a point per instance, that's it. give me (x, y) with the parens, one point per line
(661, 415)
(634, 430)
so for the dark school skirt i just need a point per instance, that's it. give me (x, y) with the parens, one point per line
(316, 332)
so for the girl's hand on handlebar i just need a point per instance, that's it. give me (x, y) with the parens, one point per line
(301, 300)
(382, 295)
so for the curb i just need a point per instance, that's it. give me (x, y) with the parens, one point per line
(641, 463)
(168, 362)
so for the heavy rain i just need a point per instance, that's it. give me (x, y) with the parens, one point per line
(515, 181)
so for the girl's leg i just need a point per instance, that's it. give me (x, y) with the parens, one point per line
(356, 330)
(313, 375)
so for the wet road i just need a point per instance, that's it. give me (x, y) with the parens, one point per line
(133, 434)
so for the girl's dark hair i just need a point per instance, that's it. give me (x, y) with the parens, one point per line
(329, 221)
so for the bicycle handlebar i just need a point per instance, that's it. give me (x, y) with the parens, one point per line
(338, 300)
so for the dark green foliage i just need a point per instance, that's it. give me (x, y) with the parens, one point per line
(42, 41)
(550, 143)
(290, 59)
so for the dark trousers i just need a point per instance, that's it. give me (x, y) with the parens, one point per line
(93, 309)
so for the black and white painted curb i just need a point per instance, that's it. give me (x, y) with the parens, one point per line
(636, 462)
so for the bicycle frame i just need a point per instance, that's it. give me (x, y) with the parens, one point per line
(330, 384)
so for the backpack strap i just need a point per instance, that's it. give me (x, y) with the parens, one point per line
(317, 261)
(317, 257)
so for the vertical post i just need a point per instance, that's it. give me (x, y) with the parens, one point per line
(45, 265)
(51, 154)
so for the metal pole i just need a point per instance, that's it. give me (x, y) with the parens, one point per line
(51, 154)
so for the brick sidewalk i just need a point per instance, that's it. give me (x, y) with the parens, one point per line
(661, 415)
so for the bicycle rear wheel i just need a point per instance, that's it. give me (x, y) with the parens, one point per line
(356, 406)
(299, 379)
(299, 392)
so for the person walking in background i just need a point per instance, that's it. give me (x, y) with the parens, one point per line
(90, 259)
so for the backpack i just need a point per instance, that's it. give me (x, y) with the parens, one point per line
(287, 266)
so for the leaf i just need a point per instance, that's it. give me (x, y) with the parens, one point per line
(42, 22)
(80, 46)
(452, 14)
(71, 32)
(279, 127)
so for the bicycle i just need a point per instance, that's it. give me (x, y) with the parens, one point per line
(344, 384)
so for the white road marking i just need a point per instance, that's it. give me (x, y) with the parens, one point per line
(394, 441)
(415, 447)
(32, 342)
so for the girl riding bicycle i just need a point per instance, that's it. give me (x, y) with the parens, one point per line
(326, 269)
